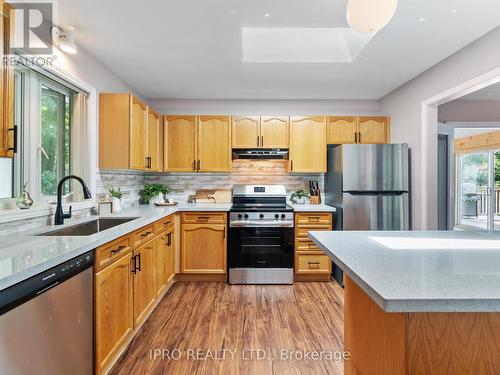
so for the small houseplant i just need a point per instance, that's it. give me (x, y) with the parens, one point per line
(299, 196)
(116, 198)
(154, 193)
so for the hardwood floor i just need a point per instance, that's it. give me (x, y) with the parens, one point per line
(228, 321)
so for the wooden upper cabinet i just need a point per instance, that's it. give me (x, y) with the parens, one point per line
(123, 132)
(113, 310)
(7, 128)
(373, 130)
(154, 133)
(138, 134)
(341, 130)
(308, 144)
(274, 132)
(180, 143)
(203, 248)
(245, 131)
(214, 144)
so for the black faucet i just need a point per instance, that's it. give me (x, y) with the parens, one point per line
(60, 215)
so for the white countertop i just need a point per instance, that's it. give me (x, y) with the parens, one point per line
(311, 207)
(435, 271)
(24, 254)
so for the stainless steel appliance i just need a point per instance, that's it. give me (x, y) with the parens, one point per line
(368, 184)
(46, 324)
(261, 153)
(261, 237)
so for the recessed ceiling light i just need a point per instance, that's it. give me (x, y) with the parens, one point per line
(234, 11)
(422, 19)
(266, 15)
(454, 11)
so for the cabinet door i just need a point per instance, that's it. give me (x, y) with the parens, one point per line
(180, 146)
(138, 134)
(214, 144)
(274, 132)
(373, 130)
(170, 263)
(245, 131)
(144, 281)
(203, 248)
(308, 144)
(154, 139)
(161, 251)
(114, 320)
(341, 130)
(6, 84)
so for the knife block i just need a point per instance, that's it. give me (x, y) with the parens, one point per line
(314, 199)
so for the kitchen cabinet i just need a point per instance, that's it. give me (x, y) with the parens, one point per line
(124, 142)
(198, 144)
(114, 321)
(180, 143)
(308, 144)
(311, 264)
(214, 144)
(274, 132)
(144, 283)
(260, 132)
(164, 260)
(154, 158)
(7, 129)
(203, 244)
(352, 129)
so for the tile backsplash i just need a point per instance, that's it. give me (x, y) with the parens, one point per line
(244, 172)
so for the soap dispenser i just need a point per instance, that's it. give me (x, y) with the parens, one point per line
(24, 200)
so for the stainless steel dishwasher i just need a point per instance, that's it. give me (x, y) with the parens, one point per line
(46, 322)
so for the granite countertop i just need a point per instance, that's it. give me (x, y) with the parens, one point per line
(434, 271)
(24, 254)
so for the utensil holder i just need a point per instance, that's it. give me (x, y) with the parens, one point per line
(314, 199)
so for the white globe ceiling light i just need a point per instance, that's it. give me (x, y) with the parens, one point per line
(369, 16)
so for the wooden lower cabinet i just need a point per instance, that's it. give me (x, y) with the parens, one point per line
(144, 281)
(203, 247)
(164, 261)
(114, 318)
(311, 264)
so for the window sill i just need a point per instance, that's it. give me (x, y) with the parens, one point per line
(10, 215)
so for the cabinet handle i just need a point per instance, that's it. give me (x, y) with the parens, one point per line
(134, 265)
(14, 142)
(314, 218)
(359, 137)
(118, 249)
(261, 141)
(138, 267)
(291, 165)
(198, 165)
(166, 222)
(355, 137)
(169, 239)
(145, 234)
(258, 141)
(203, 217)
(224, 236)
(313, 263)
(194, 165)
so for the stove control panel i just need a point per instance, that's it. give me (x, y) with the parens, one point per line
(242, 219)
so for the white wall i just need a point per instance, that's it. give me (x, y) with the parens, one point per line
(405, 107)
(266, 107)
(470, 110)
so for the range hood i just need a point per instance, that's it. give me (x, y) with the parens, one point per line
(261, 153)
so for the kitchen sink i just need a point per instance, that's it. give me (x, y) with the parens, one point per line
(89, 227)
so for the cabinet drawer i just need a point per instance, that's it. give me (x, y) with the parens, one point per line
(107, 254)
(143, 235)
(305, 245)
(164, 224)
(204, 217)
(303, 230)
(313, 264)
(313, 218)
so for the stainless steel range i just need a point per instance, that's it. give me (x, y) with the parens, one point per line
(260, 236)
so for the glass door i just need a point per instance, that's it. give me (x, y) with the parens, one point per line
(478, 186)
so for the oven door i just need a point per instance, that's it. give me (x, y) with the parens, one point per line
(261, 247)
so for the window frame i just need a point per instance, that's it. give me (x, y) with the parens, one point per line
(86, 164)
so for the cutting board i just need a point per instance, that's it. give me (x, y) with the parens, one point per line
(213, 196)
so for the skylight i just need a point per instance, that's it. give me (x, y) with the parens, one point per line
(302, 45)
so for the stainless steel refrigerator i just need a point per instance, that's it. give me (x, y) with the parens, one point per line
(368, 185)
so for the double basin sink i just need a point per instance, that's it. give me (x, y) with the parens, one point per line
(90, 227)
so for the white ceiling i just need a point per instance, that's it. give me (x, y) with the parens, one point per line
(193, 48)
(488, 93)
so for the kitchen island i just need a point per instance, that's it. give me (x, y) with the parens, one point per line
(419, 302)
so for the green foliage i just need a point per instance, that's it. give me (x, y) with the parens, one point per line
(152, 190)
(115, 193)
(299, 194)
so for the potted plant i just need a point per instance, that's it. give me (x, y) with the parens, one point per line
(299, 196)
(116, 198)
(154, 193)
